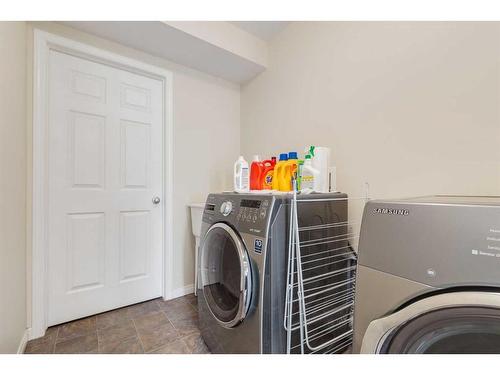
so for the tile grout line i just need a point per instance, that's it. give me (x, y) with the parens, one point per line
(176, 329)
(172, 324)
(97, 336)
(164, 313)
(137, 331)
(138, 336)
(181, 338)
(55, 340)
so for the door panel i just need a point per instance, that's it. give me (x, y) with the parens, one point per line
(135, 233)
(89, 85)
(105, 166)
(137, 98)
(87, 149)
(85, 268)
(135, 154)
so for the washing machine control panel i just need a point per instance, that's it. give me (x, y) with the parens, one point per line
(252, 211)
(247, 213)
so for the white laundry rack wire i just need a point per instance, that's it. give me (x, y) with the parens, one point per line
(321, 279)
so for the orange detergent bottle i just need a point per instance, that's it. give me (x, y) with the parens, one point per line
(261, 173)
(255, 174)
(268, 173)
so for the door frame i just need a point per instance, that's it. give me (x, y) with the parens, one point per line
(44, 42)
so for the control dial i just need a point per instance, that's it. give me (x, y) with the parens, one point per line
(226, 208)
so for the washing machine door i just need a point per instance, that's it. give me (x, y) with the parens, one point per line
(449, 323)
(226, 275)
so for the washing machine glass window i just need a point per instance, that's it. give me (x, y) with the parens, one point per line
(454, 330)
(226, 275)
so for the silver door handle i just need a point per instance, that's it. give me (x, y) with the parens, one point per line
(156, 200)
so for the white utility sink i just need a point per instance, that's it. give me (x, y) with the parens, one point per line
(196, 218)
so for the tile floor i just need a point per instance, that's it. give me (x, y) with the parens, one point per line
(156, 326)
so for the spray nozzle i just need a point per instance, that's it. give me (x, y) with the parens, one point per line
(311, 150)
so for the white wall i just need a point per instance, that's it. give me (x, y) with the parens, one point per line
(12, 185)
(206, 139)
(411, 108)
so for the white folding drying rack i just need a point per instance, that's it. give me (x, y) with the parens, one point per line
(321, 279)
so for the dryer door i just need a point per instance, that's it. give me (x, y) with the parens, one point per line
(449, 323)
(226, 275)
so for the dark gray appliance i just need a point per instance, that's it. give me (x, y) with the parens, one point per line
(429, 276)
(243, 265)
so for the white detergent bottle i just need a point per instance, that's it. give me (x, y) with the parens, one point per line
(310, 176)
(241, 174)
(321, 162)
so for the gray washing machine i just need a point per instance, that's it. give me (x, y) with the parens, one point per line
(429, 276)
(242, 268)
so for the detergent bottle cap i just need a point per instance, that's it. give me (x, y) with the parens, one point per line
(256, 158)
(292, 155)
(283, 156)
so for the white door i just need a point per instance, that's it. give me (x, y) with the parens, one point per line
(105, 169)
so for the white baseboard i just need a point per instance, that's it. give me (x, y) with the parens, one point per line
(179, 292)
(23, 342)
(35, 334)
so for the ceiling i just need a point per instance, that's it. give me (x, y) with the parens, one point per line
(264, 30)
(196, 44)
(177, 44)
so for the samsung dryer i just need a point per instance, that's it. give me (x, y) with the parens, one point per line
(243, 264)
(429, 276)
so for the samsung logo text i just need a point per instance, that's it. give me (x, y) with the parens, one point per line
(392, 211)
